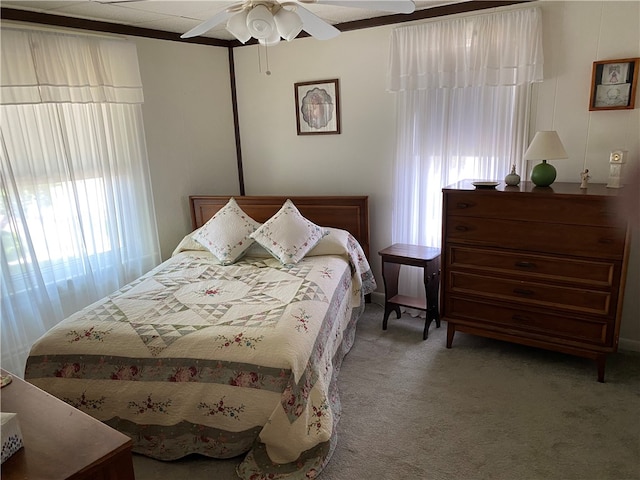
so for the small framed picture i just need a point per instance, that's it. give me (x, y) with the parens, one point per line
(613, 84)
(318, 107)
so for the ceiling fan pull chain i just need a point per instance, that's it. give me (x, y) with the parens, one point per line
(266, 56)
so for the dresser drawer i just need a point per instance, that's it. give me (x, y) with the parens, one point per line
(578, 300)
(571, 210)
(556, 269)
(486, 314)
(575, 240)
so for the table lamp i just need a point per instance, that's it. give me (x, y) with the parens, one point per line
(545, 146)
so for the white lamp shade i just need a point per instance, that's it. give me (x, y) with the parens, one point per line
(237, 26)
(260, 22)
(545, 145)
(272, 40)
(289, 24)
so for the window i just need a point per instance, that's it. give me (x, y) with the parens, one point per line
(76, 211)
(462, 90)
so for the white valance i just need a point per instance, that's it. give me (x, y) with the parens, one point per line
(503, 48)
(45, 67)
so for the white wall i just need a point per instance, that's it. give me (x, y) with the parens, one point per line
(277, 161)
(358, 161)
(189, 129)
(575, 35)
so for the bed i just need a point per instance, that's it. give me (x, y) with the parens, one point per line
(218, 357)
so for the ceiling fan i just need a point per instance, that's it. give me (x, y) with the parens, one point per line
(269, 20)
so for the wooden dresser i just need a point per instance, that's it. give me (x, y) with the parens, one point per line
(61, 442)
(543, 267)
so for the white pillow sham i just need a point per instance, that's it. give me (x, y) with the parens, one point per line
(227, 233)
(288, 235)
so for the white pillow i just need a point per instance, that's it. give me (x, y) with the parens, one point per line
(334, 243)
(188, 244)
(227, 233)
(288, 236)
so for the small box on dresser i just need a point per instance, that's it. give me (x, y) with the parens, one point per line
(543, 267)
(11, 434)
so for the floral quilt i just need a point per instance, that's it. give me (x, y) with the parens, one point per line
(197, 357)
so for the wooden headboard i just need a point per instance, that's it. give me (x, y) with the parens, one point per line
(349, 213)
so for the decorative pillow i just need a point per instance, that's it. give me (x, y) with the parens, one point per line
(288, 236)
(227, 233)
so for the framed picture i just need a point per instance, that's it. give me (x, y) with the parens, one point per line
(613, 84)
(318, 107)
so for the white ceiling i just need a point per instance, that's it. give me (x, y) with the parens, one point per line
(178, 16)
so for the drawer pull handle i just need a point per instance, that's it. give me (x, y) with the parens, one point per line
(463, 205)
(606, 241)
(462, 228)
(526, 264)
(522, 291)
(521, 318)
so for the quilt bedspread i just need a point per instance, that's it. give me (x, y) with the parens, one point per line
(196, 357)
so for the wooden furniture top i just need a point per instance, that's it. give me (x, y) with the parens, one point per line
(60, 442)
(403, 252)
(350, 213)
(556, 188)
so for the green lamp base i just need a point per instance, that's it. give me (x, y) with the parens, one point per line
(543, 174)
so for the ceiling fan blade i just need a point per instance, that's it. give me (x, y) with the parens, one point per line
(314, 25)
(395, 6)
(207, 25)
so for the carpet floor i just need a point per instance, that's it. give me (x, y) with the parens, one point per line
(485, 410)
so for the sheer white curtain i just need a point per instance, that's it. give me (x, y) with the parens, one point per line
(76, 213)
(462, 91)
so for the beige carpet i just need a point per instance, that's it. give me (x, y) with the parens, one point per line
(482, 410)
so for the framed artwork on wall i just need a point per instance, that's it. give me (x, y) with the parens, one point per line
(318, 107)
(613, 84)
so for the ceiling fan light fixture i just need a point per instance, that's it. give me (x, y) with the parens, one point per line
(237, 26)
(288, 23)
(260, 22)
(272, 40)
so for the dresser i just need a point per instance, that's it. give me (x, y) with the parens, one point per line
(543, 267)
(61, 442)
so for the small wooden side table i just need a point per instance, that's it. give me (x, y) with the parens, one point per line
(418, 256)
